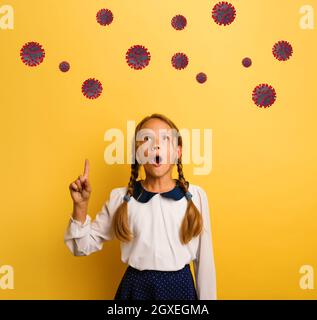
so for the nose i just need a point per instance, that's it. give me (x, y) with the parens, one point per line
(155, 147)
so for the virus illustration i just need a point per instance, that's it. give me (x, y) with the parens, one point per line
(223, 13)
(201, 77)
(179, 61)
(64, 66)
(246, 62)
(282, 50)
(264, 95)
(32, 54)
(138, 57)
(104, 17)
(91, 88)
(179, 22)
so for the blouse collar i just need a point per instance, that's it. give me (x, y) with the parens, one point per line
(142, 195)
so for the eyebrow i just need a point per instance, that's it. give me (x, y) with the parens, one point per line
(164, 131)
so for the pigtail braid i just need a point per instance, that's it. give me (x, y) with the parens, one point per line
(192, 222)
(120, 223)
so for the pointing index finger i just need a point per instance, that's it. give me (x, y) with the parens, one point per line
(86, 169)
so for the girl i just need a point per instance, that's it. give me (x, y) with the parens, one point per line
(162, 223)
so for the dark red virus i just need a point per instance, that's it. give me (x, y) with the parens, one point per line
(91, 88)
(32, 54)
(64, 66)
(179, 22)
(138, 57)
(201, 77)
(104, 17)
(264, 95)
(246, 62)
(223, 13)
(179, 61)
(282, 50)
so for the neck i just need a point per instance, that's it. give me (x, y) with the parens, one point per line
(161, 184)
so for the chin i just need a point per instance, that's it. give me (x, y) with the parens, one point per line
(157, 172)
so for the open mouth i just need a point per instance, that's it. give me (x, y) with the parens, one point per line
(157, 161)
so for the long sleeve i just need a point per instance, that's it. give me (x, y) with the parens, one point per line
(85, 238)
(204, 264)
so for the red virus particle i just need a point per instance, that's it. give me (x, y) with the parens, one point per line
(179, 61)
(91, 88)
(138, 57)
(282, 50)
(201, 77)
(64, 66)
(264, 95)
(32, 54)
(179, 22)
(223, 13)
(246, 62)
(104, 17)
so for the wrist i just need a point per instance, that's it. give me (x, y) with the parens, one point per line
(80, 208)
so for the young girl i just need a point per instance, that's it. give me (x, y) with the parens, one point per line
(162, 223)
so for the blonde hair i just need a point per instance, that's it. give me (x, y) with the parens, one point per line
(192, 222)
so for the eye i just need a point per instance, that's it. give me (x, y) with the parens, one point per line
(165, 137)
(146, 138)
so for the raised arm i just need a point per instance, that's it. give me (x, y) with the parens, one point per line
(84, 236)
(204, 264)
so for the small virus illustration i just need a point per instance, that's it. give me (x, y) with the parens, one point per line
(223, 13)
(138, 57)
(91, 88)
(246, 62)
(179, 22)
(64, 66)
(264, 95)
(32, 54)
(201, 77)
(179, 61)
(104, 17)
(282, 50)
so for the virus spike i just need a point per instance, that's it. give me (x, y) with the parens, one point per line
(201, 77)
(104, 17)
(64, 66)
(223, 13)
(179, 60)
(91, 88)
(32, 54)
(282, 50)
(179, 22)
(263, 95)
(138, 57)
(246, 62)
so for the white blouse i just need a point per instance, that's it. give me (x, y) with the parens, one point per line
(155, 220)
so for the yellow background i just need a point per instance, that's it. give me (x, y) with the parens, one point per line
(262, 187)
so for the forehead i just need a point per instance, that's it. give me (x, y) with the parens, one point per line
(156, 125)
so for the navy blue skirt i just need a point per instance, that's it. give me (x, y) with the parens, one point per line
(157, 285)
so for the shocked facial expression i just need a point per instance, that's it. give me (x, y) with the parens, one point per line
(157, 147)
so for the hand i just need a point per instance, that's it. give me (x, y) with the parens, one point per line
(80, 189)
